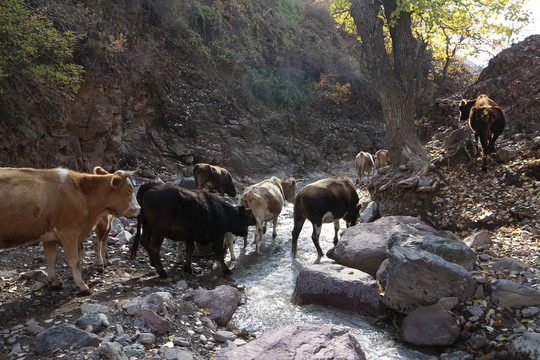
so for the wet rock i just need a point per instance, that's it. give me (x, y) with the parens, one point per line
(62, 337)
(338, 286)
(111, 351)
(224, 336)
(430, 277)
(508, 293)
(429, 326)
(222, 302)
(300, 342)
(364, 246)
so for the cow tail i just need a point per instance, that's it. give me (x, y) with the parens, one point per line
(135, 246)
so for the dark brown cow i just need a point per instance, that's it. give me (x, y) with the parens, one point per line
(193, 216)
(324, 201)
(486, 120)
(213, 178)
(59, 206)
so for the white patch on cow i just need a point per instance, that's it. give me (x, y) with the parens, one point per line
(328, 217)
(133, 206)
(63, 173)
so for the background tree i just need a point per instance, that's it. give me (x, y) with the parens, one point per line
(36, 66)
(386, 28)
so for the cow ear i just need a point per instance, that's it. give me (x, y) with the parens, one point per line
(293, 182)
(117, 180)
(98, 170)
(359, 206)
(463, 102)
(241, 209)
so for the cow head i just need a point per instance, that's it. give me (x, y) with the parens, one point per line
(465, 108)
(351, 218)
(289, 190)
(229, 187)
(239, 225)
(122, 199)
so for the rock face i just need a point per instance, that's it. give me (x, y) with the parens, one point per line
(419, 278)
(300, 342)
(338, 286)
(364, 246)
(429, 326)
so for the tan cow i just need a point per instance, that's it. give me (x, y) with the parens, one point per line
(265, 199)
(213, 178)
(381, 158)
(102, 229)
(59, 206)
(364, 164)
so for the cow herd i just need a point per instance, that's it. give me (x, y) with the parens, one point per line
(62, 207)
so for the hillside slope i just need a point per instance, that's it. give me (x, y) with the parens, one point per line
(260, 88)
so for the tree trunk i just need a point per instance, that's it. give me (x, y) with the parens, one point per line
(396, 190)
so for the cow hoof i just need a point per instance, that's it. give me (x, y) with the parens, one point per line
(56, 285)
(162, 274)
(100, 269)
(187, 269)
(85, 292)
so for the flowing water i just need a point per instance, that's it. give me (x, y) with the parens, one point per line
(269, 280)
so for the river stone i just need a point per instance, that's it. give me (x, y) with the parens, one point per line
(429, 326)
(508, 293)
(64, 336)
(92, 309)
(479, 240)
(509, 264)
(338, 286)
(300, 342)
(419, 278)
(454, 251)
(111, 351)
(363, 246)
(526, 347)
(153, 302)
(222, 302)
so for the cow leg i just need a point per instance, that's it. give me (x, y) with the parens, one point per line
(336, 230)
(100, 246)
(190, 247)
(483, 141)
(220, 253)
(315, 237)
(258, 234)
(73, 251)
(180, 251)
(245, 242)
(49, 249)
(229, 241)
(274, 232)
(153, 253)
(298, 223)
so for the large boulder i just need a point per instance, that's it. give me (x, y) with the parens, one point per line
(429, 326)
(454, 251)
(222, 302)
(338, 286)
(62, 337)
(300, 342)
(418, 278)
(363, 246)
(526, 347)
(507, 293)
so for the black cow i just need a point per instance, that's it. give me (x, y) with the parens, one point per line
(486, 120)
(213, 178)
(186, 215)
(325, 201)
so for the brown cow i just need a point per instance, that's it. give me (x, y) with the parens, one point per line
(59, 206)
(265, 199)
(324, 201)
(364, 164)
(102, 229)
(381, 158)
(486, 120)
(213, 178)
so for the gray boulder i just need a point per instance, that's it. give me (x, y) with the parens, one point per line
(364, 246)
(300, 342)
(111, 351)
(418, 278)
(509, 264)
(429, 326)
(62, 337)
(222, 302)
(369, 213)
(338, 286)
(526, 347)
(508, 293)
(453, 251)
(479, 240)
